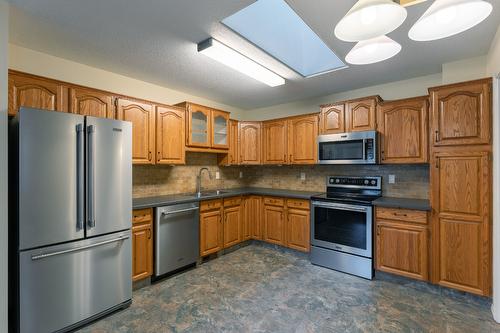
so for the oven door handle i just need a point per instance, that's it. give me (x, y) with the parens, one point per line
(341, 206)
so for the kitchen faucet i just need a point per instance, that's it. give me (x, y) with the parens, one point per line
(198, 180)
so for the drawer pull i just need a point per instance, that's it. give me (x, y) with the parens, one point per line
(400, 214)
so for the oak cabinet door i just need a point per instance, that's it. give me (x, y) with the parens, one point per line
(460, 183)
(250, 143)
(402, 249)
(210, 232)
(332, 119)
(461, 114)
(253, 209)
(199, 126)
(274, 226)
(142, 117)
(404, 131)
(233, 158)
(92, 103)
(142, 251)
(232, 226)
(274, 137)
(361, 115)
(170, 135)
(298, 229)
(302, 140)
(220, 129)
(36, 93)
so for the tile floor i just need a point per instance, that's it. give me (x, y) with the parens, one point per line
(261, 288)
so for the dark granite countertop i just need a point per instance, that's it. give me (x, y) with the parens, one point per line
(406, 203)
(167, 200)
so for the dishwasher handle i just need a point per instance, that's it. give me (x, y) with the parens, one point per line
(179, 211)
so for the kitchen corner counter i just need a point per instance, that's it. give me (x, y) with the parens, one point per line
(404, 203)
(167, 200)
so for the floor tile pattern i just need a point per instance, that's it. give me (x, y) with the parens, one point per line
(266, 289)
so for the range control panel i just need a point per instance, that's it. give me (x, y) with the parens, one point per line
(355, 182)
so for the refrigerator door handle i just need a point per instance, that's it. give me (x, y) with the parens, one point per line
(85, 247)
(90, 176)
(80, 169)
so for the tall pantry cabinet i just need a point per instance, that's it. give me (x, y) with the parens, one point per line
(460, 129)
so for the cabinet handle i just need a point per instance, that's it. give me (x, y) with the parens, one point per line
(158, 156)
(378, 230)
(290, 160)
(149, 233)
(437, 163)
(400, 214)
(383, 155)
(149, 155)
(284, 157)
(437, 136)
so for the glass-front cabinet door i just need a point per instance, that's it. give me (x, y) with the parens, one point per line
(220, 138)
(199, 126)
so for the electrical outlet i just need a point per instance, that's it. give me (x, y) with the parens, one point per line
(302, 176)
(392, 179)
(217, 175)
(241, 174)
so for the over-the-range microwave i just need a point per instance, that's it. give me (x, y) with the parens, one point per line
(348, 148)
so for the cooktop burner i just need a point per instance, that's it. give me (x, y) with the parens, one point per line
(352, 189)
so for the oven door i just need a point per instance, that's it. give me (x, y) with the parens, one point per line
(342, 227)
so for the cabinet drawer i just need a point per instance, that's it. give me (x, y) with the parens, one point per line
(234, 201)
(407, 215)
(142, 215)
(298, 203)
(274, 201)
(210, 204)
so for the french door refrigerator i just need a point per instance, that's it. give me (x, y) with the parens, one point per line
(71, 194)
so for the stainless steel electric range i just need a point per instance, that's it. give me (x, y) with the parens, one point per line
(342, 224)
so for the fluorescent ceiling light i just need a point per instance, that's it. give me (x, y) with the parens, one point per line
(446, 18)
(373, 50)
(237, 61)
(369, 19)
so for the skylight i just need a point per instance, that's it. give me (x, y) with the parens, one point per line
(275, 28)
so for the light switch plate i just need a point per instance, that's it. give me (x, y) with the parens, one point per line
(392, 179)
(217, 175)
(302, 176)
(241, 174)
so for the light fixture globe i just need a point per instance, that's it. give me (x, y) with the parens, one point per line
(369, 19)
(446, 18)
(373, 50)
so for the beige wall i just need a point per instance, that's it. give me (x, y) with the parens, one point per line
(493, 61)
(4, 25)
(394, 90)
(464, 70)
(34, 62)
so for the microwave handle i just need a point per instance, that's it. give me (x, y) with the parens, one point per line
(365, 142)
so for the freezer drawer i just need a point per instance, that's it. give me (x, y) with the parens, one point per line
(176, 237)
(66, 284)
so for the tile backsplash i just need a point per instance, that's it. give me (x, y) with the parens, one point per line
(412, 181)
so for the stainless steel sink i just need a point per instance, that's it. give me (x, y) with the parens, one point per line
(210, 193)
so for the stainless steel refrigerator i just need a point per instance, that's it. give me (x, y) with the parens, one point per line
(71, 195)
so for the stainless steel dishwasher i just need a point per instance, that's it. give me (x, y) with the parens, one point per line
(176, 237)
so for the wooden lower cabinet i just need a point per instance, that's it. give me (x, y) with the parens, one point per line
(401, 242)
(211, 230)
(274, 224)
(232, 226)
(142, 244)
(461, 199)
(297, 229)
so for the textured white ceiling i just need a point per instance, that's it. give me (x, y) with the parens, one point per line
(155, 41)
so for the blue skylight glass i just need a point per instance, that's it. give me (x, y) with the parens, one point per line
(275, 27)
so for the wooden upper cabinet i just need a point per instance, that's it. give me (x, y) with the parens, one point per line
(30, 91)
(361, 114)
(170, 135)
(332, 119)
(89, 102)
(250, 143)
(461, 192)
(199, 126)
(302, 139)
(461, 113)
(404, 130)
(142, 116)
(220, 129)
(274, 137)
